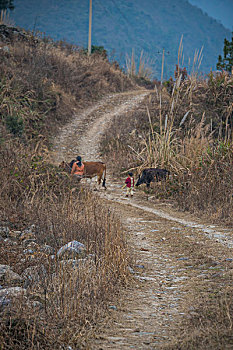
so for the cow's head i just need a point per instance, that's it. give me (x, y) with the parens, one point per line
(145, 178)
(139, 182)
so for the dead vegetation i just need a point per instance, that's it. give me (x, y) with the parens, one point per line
(188, 131)
(206, 314)
(42, 84)
(71, 301)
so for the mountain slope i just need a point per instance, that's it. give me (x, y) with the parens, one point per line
(121, 26)
(220, 10)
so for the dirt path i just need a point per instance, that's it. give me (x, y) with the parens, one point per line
(165, 270)
(82, 134)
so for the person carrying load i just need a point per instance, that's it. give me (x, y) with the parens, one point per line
(78, 168)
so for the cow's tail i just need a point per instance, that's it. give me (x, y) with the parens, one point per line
(104, 180)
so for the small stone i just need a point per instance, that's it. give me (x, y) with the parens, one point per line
(5, 49)
(27, 235)
(140, 266)
(4, 302)
(47, 249)
(4, 231)
(15, 234)
(130, 269)
(8, 241)
(27, 242)
(36, 304)
(28, 251)
(112, 307)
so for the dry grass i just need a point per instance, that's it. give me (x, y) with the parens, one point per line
(209, 322)
(42, 84)
(206, 321)
(49, 82)
(189, 132)
(203, 317)
(143, 70)
(71, 300)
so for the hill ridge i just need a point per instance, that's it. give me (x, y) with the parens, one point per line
(123, 26)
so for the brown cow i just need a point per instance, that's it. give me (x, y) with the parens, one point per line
(91, 169)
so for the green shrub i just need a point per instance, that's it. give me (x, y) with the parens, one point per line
(14, 124)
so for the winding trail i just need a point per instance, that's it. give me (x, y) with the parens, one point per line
(146, 316)
(90, 126)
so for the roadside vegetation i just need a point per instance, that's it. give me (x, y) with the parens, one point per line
(42, 85)
(185, 126)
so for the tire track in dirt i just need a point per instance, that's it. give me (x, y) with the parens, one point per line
(148, 311)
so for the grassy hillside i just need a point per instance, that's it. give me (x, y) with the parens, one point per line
(60, 77)
(125, 25)
(41, 86)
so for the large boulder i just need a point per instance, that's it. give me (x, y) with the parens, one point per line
(34, 275)
(12, 292)
(9, 277)
(3, 270)
(72, 250)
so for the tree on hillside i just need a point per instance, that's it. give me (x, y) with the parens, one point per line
(226, 63)
(6, 4)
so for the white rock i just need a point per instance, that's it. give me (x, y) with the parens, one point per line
(71, 250)
(12, 292)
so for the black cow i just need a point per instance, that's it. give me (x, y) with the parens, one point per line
(152, 174)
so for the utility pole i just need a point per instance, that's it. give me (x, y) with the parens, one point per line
(89, 35)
